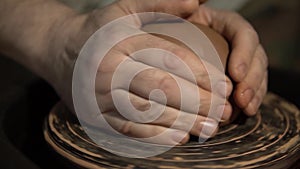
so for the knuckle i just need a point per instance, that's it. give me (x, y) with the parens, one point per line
(249, 30)
(104, 68)
(126, 128)
(139, 104)
(203, 78)
(110, 62)
(179, 52)
(143, 106)
(189, 6)
(166, 83)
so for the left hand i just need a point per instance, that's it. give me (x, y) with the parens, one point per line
(247, 64)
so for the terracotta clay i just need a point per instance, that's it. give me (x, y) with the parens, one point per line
(216, 39)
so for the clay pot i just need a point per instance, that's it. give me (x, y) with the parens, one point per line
(216, 39)
(219, 42)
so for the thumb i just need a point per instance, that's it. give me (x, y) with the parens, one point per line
(181, 8)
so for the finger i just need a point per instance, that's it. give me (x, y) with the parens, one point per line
(180, 8)
(106, 70)
(244, 47)
(178, 60)
(254, 104)
(241, 35)
(244, 41)
(176, 90)
(145, 111)
(146, 132)
(173, 118)
(146, 81)
(248, 87)
(184, 96)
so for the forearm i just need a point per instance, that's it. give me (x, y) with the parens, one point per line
(27, 30)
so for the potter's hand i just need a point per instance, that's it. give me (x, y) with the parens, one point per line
(156, 77)
(46, 37)
(247, 62)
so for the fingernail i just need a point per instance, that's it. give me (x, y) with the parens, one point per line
(248, 94)
(242, 69)
(208, 128)
(178, 136)
(253, 106)
(255, 103)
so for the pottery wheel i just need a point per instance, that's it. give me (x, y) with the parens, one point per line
(271, 139)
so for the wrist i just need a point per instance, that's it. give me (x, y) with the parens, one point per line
(66, 42)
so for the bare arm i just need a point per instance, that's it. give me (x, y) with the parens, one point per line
(27, 30)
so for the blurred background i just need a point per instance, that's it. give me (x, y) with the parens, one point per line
(25, 99)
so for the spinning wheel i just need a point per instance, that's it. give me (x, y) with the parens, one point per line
(271, 139)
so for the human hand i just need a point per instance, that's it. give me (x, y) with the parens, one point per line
(247, 62)
(79, 29)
